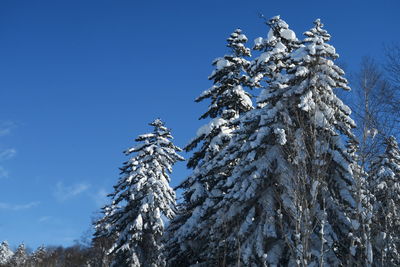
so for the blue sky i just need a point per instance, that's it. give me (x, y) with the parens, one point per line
(79, 80)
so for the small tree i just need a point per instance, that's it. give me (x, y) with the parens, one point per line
(385, 186)
(20, 256)
(140, 199)
(38, 256)
(102, 240)
(5, 253)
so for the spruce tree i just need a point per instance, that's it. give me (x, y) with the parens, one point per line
(276, 48)
(385, 186)
(38, 256)
(20, 256)
(141, 198)
(5, 253)
(228, 100)
(364, 199)
(289, 199)
(200, 248)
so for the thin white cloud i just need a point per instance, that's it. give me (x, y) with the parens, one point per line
(6, 127)
(17, 207)
(100, 197)
(44, 219)
(7, 154)
(3, 172)
(63, 192)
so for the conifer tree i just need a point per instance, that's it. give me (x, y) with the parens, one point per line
(276, 48)
(5, 253)
(103, 239)
(385, 186)
(38, 256)
(364, 199)
(228, 101)
(140, 199)
(20, 256)
(289, 199)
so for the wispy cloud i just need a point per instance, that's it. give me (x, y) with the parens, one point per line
(17, 207)
(7, 154)
(3, 172)
(63, 192)
(44, 219)
(100, 197)
(6, 127)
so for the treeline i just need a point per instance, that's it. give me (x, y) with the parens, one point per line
(51, 256)
(286, 178)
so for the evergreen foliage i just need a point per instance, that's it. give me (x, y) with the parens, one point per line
(289, 199)
(140, 199)
(385, 186)
(279, 184)
(20, 257)
(228, 100)
(5, 253)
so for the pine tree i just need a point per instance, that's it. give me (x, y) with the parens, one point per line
(289, 199)
(228, 101)
(20, 256)
(140, 199)
(385, 186)
(5, 253)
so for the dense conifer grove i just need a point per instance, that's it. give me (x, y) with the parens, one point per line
(282, 173)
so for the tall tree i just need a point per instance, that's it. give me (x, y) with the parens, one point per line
(140, 199)
(290, 198)
(211, 249)
(229, 100)
(392, 68)
(275, 48)
(364, 212)
(372, 110)
(385, 186)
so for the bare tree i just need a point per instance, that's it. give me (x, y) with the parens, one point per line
(372, 109)
(392, 65)
(392, 71)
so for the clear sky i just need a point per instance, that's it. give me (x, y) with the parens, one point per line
(79, 80)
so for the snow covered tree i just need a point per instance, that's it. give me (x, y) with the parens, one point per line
(103, 239)
(38, 256)
(20, 257)
(276, 48)
(385, 186)
(289, 199)
(364, 199)
(5, 253)
(199, 248)
(228, 101)
(140, 199)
